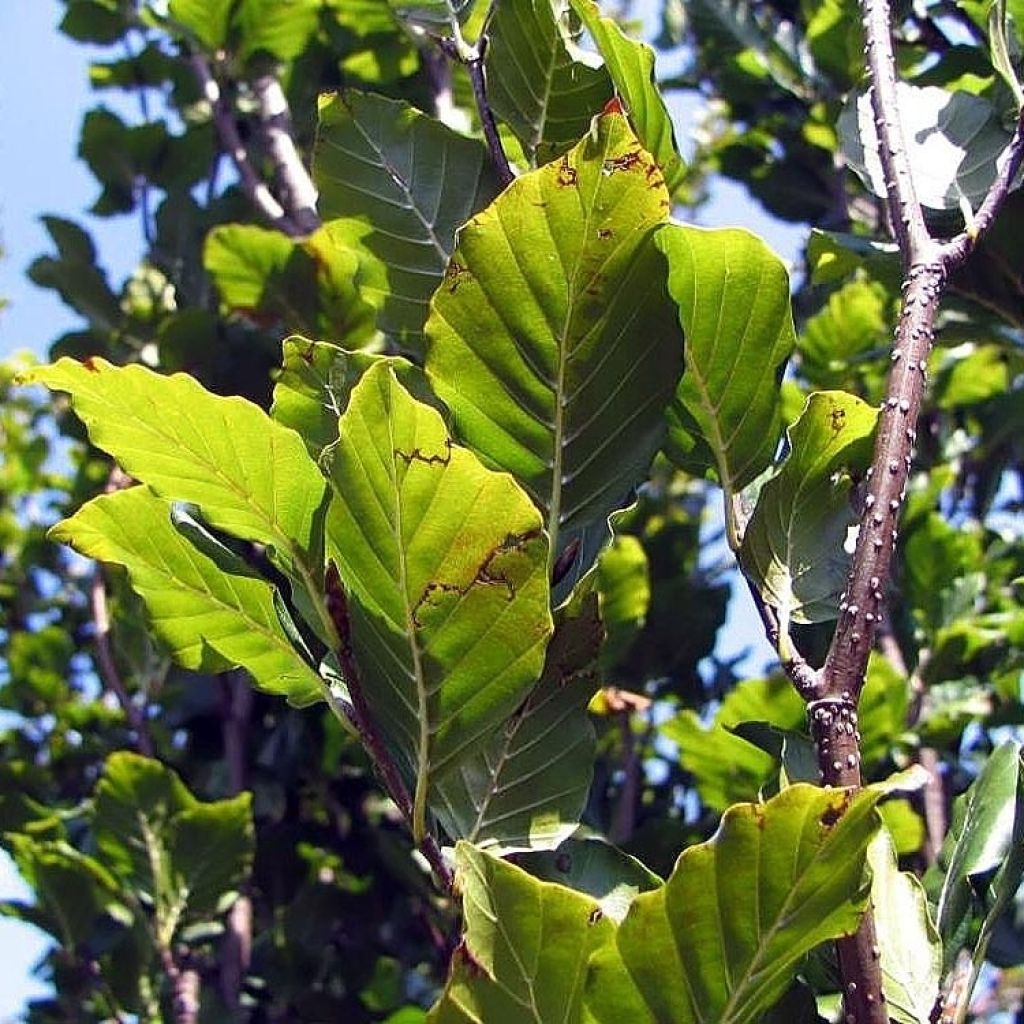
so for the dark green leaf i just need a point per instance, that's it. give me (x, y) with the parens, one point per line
(526, 786)
(540, 83)
(399, 184)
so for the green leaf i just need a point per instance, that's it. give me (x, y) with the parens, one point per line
(431, 14)
(624, 584)
(769, 48)
(853, 326)
(723, 938)
(832, 256)
(726, 768)
(882, 710)
(280, 29)
(310, 285)
(74, 275)
(177, 853)
(313, 388)
(733, 299)
(835, 37)
(210, 617)
(526, 948)
(446, 565)
(539, 82)
(211, 848)
(910, 945)
(207, 20)
(954, 142)
(552, 340)
(971, 374)
(720, 941)
(979, 839)
(525, 788)
(794, 547)
(89, 22)
(631, 66)
(399, 184)
(939, 558)
(75, 890)
(597, 868)
(248, 475)
(999, 45)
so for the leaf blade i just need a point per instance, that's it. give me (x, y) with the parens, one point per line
(195, 607)
(445, 562)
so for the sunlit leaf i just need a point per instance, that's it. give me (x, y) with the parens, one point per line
(445, 562)
(910, 946)
(631, 66)
(954, 142)
(985, 825)
(795, 544)
(248, 475)
(211, 617)
(552, 340)
(733, 297)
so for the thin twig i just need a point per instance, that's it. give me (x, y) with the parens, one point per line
(472, 57)
(807, 679)
(295, 186)
(372, 740)
(142, 182)
(184, 988)
(236, 946)
(108, 667)
(231, 142)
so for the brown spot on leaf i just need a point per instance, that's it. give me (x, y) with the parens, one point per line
(90, 364)
(626, 162)
(613, 106)
(604, 233)
(486, 575)
(472, 965)
(566, 172)
(835, 810)
(595, 915)
(453, 275)
(838, 420)
(416, 455)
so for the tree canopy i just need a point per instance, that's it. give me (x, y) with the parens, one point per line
(365, 554)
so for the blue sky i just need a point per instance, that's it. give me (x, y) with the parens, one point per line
(44, 89)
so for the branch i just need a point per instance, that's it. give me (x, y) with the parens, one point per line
(108, 667)
(231, 142)
(928, 264)
(373, 741)
(807, 680)
(295, 185)
(904, 210)
(236, 946)
(956, 251)
(184, 989)
(472, 57)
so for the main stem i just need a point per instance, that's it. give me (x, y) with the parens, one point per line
(834, 717)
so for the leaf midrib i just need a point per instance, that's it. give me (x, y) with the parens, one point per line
(400, 181)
